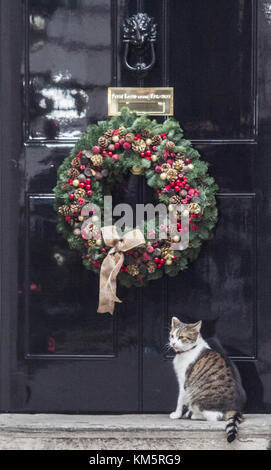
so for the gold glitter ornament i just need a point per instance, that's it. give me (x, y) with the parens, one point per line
(97, 160)
(79, 193)
(178, 165)
(133, 270)
(167, 252)
(139, 146)
(172, 174)
(194, 208)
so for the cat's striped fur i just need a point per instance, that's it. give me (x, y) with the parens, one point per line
(209, 384)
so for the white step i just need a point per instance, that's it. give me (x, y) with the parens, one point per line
(131, 432)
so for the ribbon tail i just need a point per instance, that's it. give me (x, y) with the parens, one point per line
(108, 282)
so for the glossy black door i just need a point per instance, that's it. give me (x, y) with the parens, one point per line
(57, 353)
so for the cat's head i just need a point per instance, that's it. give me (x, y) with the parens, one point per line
(183, 336)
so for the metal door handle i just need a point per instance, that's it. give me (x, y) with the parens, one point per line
(139, 32)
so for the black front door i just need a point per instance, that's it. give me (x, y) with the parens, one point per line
(57, 59)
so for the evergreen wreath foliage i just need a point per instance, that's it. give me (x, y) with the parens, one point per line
(103, 157)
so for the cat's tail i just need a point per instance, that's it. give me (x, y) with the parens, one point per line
(233, 418)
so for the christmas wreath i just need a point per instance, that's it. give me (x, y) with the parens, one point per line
(101, 159)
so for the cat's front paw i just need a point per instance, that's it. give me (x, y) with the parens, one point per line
(175, 415)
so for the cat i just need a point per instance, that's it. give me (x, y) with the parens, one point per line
(209, 384)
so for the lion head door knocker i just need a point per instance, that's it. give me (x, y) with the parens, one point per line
(139, 34)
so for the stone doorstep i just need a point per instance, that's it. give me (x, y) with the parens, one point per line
(133, 432)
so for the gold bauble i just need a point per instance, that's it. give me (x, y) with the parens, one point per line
(76, 183)
(95, 218)
(154, 158)
(163, 176)
(80, 218)
(170, 207)
(99, 242)
(176, 238)
(191, 166)
(185, 213)
(148, 141)
(168, 262)
(115, 138)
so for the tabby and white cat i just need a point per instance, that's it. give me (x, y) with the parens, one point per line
(209, 384)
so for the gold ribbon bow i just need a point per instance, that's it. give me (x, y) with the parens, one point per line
(112, 263)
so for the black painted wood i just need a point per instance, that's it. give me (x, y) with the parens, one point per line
(56, 353)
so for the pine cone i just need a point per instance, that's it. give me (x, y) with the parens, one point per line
(179, 156)
(170, 146)
(75, 209)
(108, 134)
(79, 193)
(175, 199)
(133, 270)
(91, 230)
(73, 173)
(130, 137)
(165, 167)
(194, 208)
(151, 267)
(178, 165)
(64, 210)
(172, 175)
(156, 140)
(103, 142)
(139, 146)
(76, 162)
(65, 186)
(97, 160)
(145, 133)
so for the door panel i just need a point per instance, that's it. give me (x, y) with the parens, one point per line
(57, 354)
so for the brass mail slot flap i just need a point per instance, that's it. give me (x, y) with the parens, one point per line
(153, 101)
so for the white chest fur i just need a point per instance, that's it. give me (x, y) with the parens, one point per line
(182, 361)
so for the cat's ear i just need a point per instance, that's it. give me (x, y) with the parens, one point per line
(196, 326)
(175, 322)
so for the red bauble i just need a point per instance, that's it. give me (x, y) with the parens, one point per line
(187, 161)
(88, 187)
(82, 167)
(79, 155)
(148, 153)
(126, 146)
(158, 169)
(150, 249)
(115, 158)
(88, 181)
(117, 145)
(170, 162)
(82, 185)
(142, 155)
(71, 197)
(154, 148)
(96, 149)
(104, 153)
(121, 142)
(177, 189)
